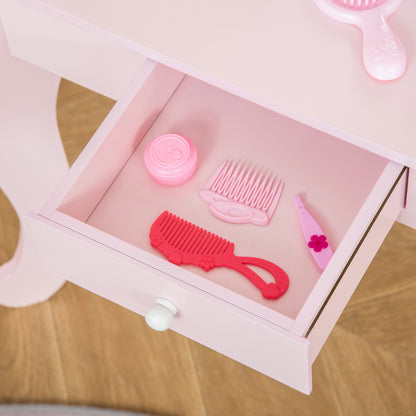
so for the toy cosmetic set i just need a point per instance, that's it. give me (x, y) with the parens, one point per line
(237, 193)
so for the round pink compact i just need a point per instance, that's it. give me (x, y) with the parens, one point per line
(171, 159)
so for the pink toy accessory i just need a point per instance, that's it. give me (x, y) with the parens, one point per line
(185, 243)
(383, 54)
(240, 194)
(315, 238)
(171, 159)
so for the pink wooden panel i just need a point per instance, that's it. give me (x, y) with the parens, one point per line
(285, 68)
(290, 56)
(203, 318)
(68, 51)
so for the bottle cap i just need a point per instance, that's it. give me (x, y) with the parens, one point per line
(171, 159)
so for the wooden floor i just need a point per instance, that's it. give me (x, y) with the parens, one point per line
(78, 348)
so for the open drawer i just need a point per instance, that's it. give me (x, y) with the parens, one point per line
(94, 230)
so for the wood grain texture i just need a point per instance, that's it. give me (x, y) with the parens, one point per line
(146, 368)
(78, 348)
(9, 229)
(369, 379)
(79, 113)
(385, 321)
(393, 269)
(230, 388)
(30, 366)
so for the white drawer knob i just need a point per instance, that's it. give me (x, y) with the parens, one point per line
(159, 316)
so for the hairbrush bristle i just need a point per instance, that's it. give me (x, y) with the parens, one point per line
(359, 4)
(189, 238)
(239, 182)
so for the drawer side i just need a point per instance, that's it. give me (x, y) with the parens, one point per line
(351, 275)
(351, 242)
(114, 141)
(408, 214)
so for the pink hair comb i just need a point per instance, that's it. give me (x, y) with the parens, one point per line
(185, 243)
(241, 194)
(383, 54)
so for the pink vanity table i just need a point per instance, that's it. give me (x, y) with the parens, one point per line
(278, 82)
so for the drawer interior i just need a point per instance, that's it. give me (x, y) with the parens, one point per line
(110, 196)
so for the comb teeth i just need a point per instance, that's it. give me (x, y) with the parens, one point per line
(189, 238)
(246, 185)
(359, 4)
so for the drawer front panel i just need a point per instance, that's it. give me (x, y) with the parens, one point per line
(201, 317)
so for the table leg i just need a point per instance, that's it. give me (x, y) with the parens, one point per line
(32, 161)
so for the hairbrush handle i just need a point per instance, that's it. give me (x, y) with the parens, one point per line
(268, 290)
(383, 54)
(185, 243)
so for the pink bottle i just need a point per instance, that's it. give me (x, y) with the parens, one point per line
(171, 159)
(315, 238)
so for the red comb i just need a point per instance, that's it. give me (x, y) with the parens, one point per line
(185, 243)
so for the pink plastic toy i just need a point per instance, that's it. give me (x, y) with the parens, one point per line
(383, 54)
(171, 159)
(238, 193)
(315, 238)
(184, 243)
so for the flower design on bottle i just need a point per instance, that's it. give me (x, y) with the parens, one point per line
(387, 45)
(318, 243)
(170, 155)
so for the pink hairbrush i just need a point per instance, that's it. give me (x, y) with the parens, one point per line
(383, 54)
(185, 243)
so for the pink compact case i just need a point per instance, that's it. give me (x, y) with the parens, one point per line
(171, 159)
